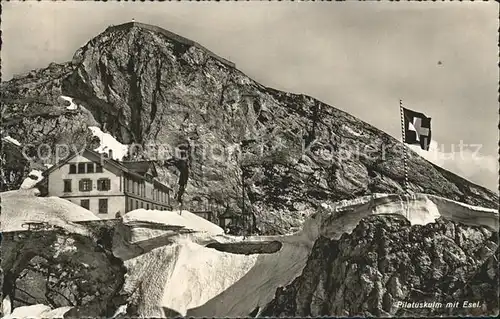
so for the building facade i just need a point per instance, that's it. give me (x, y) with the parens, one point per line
(107, 187)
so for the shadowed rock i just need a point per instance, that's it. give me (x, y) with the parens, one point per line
(248, 248)
(385, 260)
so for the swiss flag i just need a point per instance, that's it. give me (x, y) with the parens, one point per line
(417, 127)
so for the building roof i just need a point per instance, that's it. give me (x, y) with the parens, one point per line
(141, 167)
(137, 169)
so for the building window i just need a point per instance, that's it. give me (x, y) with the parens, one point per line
(147, 206)
(136, 204)
(85, 203)
(90, 167)
(85, 185)
(103, 184)
(81, 168)
(67, 185)
(98, 168)
(129, 188)
(103, 205)
(72, 168)
(142, 204)
(131, 205)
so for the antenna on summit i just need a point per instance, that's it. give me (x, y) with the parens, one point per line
(133, 20)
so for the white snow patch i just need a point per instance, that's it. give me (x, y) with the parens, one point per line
(22, 206)
(121, 311)
(37, 311)
(350, 130)
(48, 165)
(209, 272)
(108, 142)
(72, 105)
(173, 218)
(29, 182)
(6, 305)
(12, 140)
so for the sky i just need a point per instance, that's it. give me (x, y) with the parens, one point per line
(440, 58)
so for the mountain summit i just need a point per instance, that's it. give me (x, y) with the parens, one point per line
(212, 127)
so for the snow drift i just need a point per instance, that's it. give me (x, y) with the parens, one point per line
(108, 142)
(184, 277)
(72, 105)
(33, 178)
(37, 311)
(23, 206)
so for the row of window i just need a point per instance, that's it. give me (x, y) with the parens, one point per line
(139, 188)
(85, 168)
(86, 185)
(103, 205)
(141, 204)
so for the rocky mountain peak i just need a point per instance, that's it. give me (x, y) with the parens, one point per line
(221, 138)
(134, 31)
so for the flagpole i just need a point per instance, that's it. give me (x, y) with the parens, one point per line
(405, 155)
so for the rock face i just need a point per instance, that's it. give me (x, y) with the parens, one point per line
(60, 268)
(210, 127)
(33, 114)
(14, 166)
(384, 261)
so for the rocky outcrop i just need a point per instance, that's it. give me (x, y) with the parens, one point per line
(34, 114)
(385, 263)
(211, 129)
(248, 248)
(61, 268)
(14, 166)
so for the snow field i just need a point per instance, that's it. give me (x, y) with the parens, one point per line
(21, 206)
(29, 182)
(108, 142)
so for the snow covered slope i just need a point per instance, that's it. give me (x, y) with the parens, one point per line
(72, 105)
(179, 275)
(108, 142)
(21, 206)
(12, 140)
(33, 177)
(37, 311)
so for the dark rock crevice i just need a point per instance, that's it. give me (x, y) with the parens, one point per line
(248, 248)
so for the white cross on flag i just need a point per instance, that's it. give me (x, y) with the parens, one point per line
(417, 128)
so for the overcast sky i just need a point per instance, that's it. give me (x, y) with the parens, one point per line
(359, 57)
